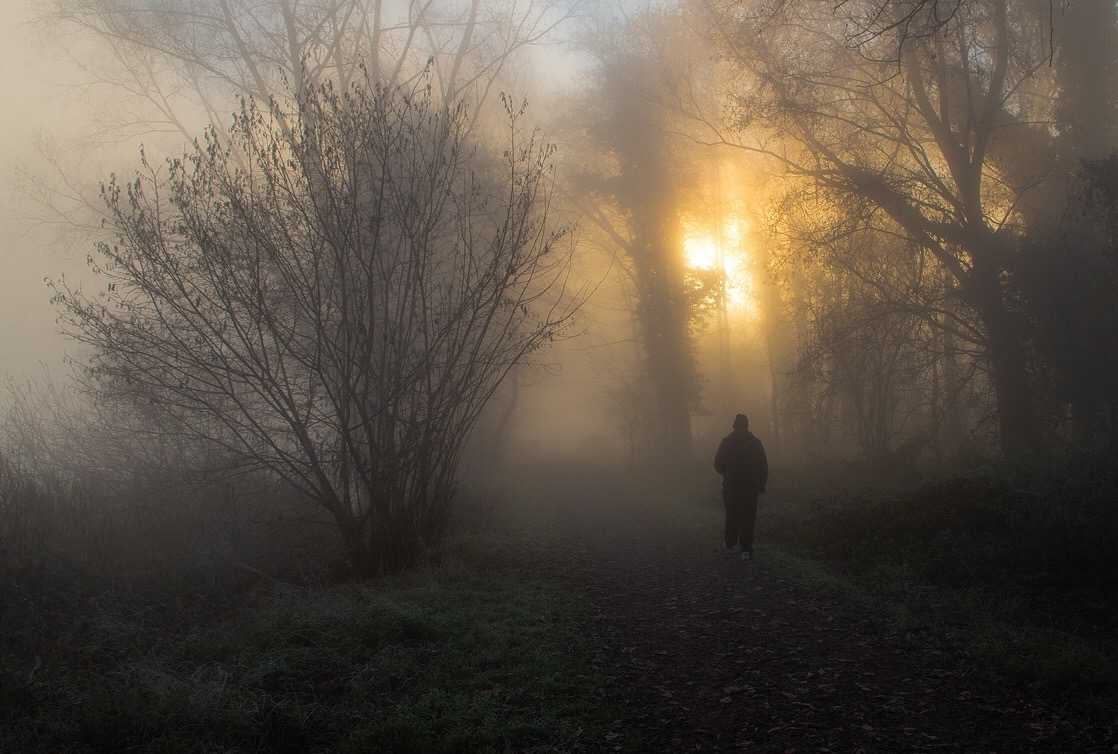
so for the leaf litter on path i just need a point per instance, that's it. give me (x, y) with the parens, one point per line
(707, 653)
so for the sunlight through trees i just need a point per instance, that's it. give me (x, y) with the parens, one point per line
(885, 230)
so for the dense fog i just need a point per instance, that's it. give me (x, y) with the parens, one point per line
(353, 258)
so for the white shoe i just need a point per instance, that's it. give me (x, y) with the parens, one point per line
(732, 550)
(746, 556)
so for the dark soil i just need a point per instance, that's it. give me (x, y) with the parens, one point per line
(707, 653)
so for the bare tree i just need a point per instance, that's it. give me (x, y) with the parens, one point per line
(876, 351)
(337, 310)
(107, 482)
(882, 327)
(163, 71)
(898, 20)
(944, 146)
(161, 61)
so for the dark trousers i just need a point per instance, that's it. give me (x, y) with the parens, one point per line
(741, 512)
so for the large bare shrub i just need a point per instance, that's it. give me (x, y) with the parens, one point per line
(333, 301)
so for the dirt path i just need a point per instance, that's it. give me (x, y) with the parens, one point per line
(711, 654)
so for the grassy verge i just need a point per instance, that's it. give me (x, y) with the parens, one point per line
(480, 654)
(1018, 572)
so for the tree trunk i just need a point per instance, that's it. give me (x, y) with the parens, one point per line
(360, 556)
(662, 316)
(953, 418)
(1018, 425)
(680, 445)
(672, 366)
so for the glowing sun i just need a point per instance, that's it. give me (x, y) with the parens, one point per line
(704, 250)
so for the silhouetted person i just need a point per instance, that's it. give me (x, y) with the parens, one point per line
(745, 470)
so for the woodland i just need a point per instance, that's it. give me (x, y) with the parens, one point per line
(398, 319)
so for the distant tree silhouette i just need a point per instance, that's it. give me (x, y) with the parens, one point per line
(937, 135)
(631, 187)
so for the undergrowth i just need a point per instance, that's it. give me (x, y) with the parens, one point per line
(479, 653)
(1015, 570)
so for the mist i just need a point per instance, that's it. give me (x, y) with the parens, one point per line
(558, 376)
(690, 200)
(29, 335)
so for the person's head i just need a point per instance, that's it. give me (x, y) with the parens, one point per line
(741, 421)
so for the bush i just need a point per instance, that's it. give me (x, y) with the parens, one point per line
(1047, 536)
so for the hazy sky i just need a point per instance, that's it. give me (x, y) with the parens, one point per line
(28, 333)
(34, 103)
